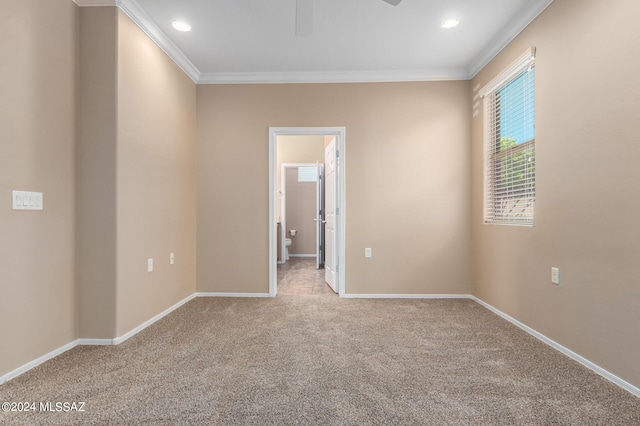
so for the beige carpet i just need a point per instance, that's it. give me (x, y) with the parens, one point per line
(323, 360)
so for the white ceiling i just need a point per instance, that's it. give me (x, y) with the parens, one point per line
(254, 41)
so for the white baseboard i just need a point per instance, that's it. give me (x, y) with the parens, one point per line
(36, 362)
(594, 367)
(568, 352)
(97, 342)
(233, 295)
(407, 296)
(146, 324)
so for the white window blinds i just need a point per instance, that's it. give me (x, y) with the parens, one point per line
(509, 108)
(307, 174)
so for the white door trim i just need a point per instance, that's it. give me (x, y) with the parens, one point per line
(340, 134)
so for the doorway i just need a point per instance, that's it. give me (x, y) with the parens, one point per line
(301, 217)
(336, 135)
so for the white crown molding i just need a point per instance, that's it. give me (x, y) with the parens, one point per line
(507, 35)
(333, 76)
(137, 14)
(133, 10)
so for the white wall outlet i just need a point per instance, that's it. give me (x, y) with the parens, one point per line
(367, 252)
(555, 275)
(172, 259)
(149, 265)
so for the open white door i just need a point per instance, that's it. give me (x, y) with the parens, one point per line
(330, 196)
(320, 217)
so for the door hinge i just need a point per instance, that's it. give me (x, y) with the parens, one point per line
(337, 153)
(337, 211)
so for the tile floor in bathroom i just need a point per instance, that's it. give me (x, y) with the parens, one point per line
(300, 276)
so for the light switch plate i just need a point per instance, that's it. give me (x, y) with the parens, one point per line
(25, 200)
(149, 265)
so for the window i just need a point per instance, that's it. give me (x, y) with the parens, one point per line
(510, 152)
(307, 174)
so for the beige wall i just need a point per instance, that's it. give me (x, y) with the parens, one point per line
(296, 149)
(412, 179)
(38, 43)
(136, 177)
(117, 173)
(587, 195)
(301, 200)
(408, 181)
(96, 173)
(156, 179)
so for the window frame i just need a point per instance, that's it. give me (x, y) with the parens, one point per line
(491, 157)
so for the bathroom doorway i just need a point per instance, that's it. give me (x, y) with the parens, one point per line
(300, 153)
(301, 195)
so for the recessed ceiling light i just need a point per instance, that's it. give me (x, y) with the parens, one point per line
(449, 23)
(181, 26)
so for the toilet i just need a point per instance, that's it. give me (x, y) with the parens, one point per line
(287, 243)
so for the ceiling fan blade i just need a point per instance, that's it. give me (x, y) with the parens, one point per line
(304, 17)
(393, 2)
